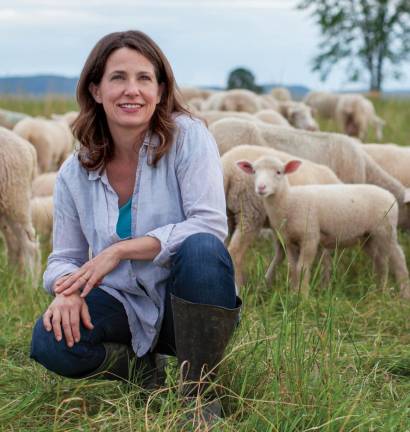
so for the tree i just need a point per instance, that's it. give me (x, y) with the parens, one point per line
(369, 36)
(242, 78)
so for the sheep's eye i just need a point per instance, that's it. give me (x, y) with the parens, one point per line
(278, 172)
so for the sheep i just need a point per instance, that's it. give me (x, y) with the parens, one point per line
(281, 94)
(331, 216)
(267, 116)
(272, 117)
(344, 155)
(393, 158)
(68, 117)
(52, 140)
(18, 167)
(233, 100)
(354, 114)
(189, 93)
(267, 101)
(299, 115)
(42, 216)
(43, 185)
(9, 119)
(246, 213)
(323, 103)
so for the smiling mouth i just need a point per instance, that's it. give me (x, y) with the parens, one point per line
(130, 106)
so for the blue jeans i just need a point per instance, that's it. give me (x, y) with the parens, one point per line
(201, 272)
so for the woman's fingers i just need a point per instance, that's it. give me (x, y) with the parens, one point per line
(56, 323)
(65, 316)
(85, 316)
(91, 283)
(75, 324)
(47, 319)
(74, 282)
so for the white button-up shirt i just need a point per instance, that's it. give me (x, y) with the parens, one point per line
(182, 195)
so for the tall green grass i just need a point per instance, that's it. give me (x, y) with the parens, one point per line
(337, 361)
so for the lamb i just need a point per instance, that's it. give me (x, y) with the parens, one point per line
(9, 119)
(43, 185)
(52, 140)
(281, 94)
(42, 216)
(267, 101)
(68, 117)
(272, 117)
(331, 216)
(246, 213)
(18, 167)
(233, 100)
(299, 115)
(267, 116)
(344, 155)
(393, 158)
(354, 114)
(323, 103)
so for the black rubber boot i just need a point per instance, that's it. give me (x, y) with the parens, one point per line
(201, 335)
(121, 363)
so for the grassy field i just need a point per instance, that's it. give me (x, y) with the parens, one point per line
(339, 361)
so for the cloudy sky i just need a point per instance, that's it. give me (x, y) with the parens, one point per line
(203, 39)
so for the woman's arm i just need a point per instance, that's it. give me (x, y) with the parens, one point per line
(70, 247)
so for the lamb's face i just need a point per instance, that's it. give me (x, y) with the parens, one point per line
(269, 174)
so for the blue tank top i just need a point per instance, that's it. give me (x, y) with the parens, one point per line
(124, 220)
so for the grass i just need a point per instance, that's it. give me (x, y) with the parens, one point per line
(338, 361)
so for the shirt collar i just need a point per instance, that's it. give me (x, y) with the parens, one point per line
(151, 140)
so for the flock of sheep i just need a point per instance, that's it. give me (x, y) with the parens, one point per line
(318, 191)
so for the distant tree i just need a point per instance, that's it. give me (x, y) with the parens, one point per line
(242, 78)
(371, 36)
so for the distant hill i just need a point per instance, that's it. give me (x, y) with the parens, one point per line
(38, 85)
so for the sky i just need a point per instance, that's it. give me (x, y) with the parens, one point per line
(203, 39)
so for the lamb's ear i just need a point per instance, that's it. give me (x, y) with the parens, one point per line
(245, 166)
(406, 196)
(292, 166)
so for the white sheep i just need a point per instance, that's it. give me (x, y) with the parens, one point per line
(354, 114)
(344, 155)
(266, 115)
(68, 117)
(281, 94)
(267, 101)
(299, 115)
(331, 216)
(393, 158)
(272, 117)
(9, 119)
(18, 167)
(42, 217)
(246, 212)
(52, 140)
(43, 185)
(241, 100)
(323, 103)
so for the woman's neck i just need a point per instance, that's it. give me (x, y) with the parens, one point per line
(127, 144)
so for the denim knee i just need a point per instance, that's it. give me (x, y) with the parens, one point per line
(202, 271)
(59, 358)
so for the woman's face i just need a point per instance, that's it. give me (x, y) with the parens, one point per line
(128, 91)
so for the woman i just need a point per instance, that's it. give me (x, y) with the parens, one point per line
(144, 196)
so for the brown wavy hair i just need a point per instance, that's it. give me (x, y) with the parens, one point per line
(91, 127)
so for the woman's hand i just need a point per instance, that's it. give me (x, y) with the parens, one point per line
(64, 313)
(91, 273)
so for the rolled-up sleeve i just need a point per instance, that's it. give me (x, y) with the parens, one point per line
(200, 178)
(70, 247)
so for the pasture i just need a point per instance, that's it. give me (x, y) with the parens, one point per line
(338, 361)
